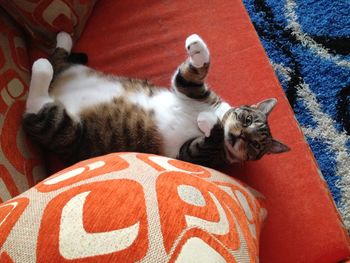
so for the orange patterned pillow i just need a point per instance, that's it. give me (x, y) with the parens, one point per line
(19, 166)
(43, 19)
(130, 207)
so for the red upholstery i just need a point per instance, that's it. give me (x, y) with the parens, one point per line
(145, 39)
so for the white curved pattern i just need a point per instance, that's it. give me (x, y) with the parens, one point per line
(218, 228)
(252, 229)
(75, 172)
(191, 195)
(335, 140)
(229, 191)
(305, 39)
(13, 204)
(248, 212)
(75, 242)
(244, 204)
(64, 176)
(4, 193)
(242, 253)
(95, 165)
(163, 162)
(196, 250)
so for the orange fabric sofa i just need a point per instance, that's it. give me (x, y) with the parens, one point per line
(144, 39)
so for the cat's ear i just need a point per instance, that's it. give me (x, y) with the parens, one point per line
(277, 147)
(267, 106)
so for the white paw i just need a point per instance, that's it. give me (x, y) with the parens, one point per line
(64, 40)
(42, 73)
(197, 50)
(42, 68)
(206, 121)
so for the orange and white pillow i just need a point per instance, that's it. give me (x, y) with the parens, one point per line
(129, 207)
(44, 19)
(20, 167)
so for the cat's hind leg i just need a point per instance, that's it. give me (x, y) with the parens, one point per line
(43, 72)
(38, 95)
(59, 58)
(46, 120)
(62, 58)
(64, 41)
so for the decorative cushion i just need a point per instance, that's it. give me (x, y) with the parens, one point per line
(129, 207)
(44, 19)
(19, 163)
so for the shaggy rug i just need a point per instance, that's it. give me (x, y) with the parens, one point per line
(308, 44)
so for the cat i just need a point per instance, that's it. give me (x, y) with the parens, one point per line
(79, 113)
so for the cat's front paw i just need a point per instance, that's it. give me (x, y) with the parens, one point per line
(206, 121)
(42, 69)
(197, 50)
(64, 40)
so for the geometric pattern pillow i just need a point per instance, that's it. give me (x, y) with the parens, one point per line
(43, 19)
(20, 167)
(128, 207)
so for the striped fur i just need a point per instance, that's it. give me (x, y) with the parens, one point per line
(79, 113)
(209, 151)
(53, 128)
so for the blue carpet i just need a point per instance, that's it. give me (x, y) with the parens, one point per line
(308, 44)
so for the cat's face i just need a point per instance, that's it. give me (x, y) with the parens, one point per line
(247, 134)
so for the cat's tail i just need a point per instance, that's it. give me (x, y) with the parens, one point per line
(78, 58)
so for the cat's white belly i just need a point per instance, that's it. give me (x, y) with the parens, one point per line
(176, 120)
(84, 90)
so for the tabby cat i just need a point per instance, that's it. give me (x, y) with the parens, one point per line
(79, 113)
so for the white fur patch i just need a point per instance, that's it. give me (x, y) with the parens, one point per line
(38, 96)
(206, 121)
(176, 118)
(222, 109)
(197, 50)
(64, 40)
(84, 90)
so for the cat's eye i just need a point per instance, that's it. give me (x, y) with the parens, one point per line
(248, 121)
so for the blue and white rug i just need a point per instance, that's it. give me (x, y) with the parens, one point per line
(308, 44)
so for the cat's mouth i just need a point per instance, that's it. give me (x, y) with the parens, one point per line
(233, 139)
(233, 145)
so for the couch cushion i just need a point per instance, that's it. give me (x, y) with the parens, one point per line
(145, 39)
(19, 163)
(44, 19)
(129, 207)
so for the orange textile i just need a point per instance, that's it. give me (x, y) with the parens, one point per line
(20, 167)
(145, 39)
(43, 19)
(132, 207)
